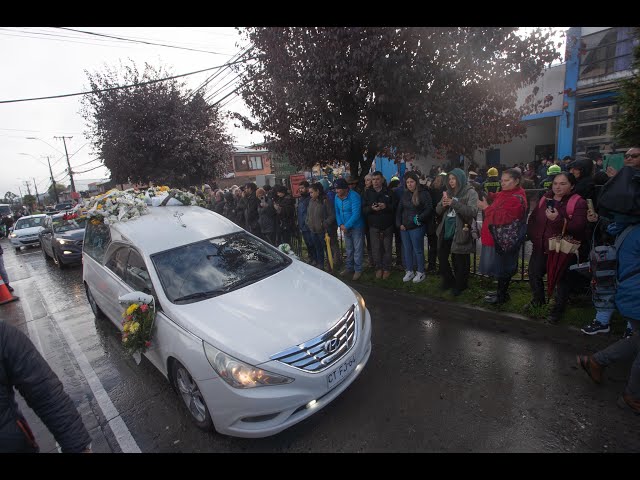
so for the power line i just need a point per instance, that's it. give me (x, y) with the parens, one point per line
(121, 87)
(85, 171)
(139, 41)
(59, 40)
(239, 55)
(85, 163)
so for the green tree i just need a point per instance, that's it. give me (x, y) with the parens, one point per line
(10, 197)
(156, 132)
(320, 94)
(627, 126)
(29, 200)
(59, 188)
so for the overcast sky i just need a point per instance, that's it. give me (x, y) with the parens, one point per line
(45, 61)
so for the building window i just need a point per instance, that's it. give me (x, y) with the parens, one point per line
(243, 163)
(595, 129)
(607, 52)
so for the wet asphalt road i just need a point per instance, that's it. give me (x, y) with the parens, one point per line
(440, 378)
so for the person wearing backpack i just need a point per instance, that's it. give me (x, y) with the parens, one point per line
(506, 207)
(627, 302)
(547, 220)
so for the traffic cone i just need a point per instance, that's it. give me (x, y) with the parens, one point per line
(5, 294)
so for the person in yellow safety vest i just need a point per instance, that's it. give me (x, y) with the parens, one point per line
(492, 183)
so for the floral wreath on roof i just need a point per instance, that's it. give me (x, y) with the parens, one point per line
(121, 206)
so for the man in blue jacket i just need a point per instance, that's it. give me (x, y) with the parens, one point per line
(348, 205)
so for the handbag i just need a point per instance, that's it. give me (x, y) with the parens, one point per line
(509, 237)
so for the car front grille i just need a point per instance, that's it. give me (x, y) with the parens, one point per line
(321, 352)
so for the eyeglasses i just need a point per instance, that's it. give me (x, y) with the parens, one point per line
(631, 155)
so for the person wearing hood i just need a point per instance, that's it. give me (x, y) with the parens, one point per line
(458, 207)
(582, 170)
(502, 208)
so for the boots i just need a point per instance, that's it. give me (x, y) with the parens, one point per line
(502, 295)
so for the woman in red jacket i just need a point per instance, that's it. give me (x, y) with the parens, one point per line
(546, 221)
(505, 207)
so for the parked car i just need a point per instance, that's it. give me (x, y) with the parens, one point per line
(61, 239)
(252, 340)
(61, 207)
(25, 231)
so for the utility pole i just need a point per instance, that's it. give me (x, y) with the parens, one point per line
(26, 184)
(53, 182)
(36, 187)
(73, 186)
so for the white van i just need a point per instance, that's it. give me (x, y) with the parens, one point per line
(253, 340)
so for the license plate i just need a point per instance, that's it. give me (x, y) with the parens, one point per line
(341, 372)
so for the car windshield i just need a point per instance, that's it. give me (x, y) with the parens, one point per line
(63, 206)
(29, 223)
(5, 210)
(213, 267)
(60, 225)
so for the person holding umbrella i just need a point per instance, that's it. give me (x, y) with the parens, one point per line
(560, 212)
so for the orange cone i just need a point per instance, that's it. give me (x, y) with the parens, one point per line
(5, 294)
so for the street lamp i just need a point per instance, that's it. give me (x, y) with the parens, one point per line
(36, 138)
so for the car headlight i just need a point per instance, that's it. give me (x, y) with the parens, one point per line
(360, 307)
(61, 241)
(12, 235)
(239, 374)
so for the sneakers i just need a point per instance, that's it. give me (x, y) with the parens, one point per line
(419, 277)
(626, 402)
(589, 365)
(386, 274)
(408, 276)
(378, 273)
(595, 327)
(357, 275)
(628, 333)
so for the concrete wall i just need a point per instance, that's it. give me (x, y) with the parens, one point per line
(550, 83)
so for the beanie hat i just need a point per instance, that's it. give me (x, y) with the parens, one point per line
(554, 170)
(341, 183)
(492, 172)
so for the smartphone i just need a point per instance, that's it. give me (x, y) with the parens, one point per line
(590, 206)
(551, 203)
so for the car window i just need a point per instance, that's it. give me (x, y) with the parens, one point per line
(60, 225)
(216, 266)
(137, 275)
(5, 210)
(117, 262)
(29, 222)
(97, 237)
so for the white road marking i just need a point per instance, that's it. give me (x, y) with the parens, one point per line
(117, 425)
(33, 331)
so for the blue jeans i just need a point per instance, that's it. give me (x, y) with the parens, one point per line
(308, 241)
(318, 248)
(354, 244)
(413, 249)
(604, 317)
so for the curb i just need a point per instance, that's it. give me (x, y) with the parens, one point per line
(505, 322)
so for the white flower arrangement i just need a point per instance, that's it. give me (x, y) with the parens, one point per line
(116, 206)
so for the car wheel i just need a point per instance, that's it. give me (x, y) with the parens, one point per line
(57, 260)
(190, 394)
(92, 303)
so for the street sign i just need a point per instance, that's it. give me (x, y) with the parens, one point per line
(296, 180)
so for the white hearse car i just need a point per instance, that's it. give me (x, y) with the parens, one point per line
(252, 340)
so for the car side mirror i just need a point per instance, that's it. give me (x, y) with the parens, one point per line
(134, 297)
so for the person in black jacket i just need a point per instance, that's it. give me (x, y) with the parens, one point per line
(412, 215)
(22, 367)
(251, 219)
(285, 207)
(435, 190)
(378, 211)
(267, 217)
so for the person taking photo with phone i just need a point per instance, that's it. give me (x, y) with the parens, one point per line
(547, 220)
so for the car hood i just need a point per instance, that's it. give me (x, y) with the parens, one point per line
(278, 312)
(25, 232)
(74, 235)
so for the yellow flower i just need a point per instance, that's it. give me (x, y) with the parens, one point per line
(134, 327)
(132, 308)
(127, 326)
(124, 340)
(164, 188)
(99, 207)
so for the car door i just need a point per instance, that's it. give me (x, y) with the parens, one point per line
(46, 237)
(114, 285)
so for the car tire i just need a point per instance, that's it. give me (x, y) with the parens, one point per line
(92, 303)
(189, 392)
(57, 260)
